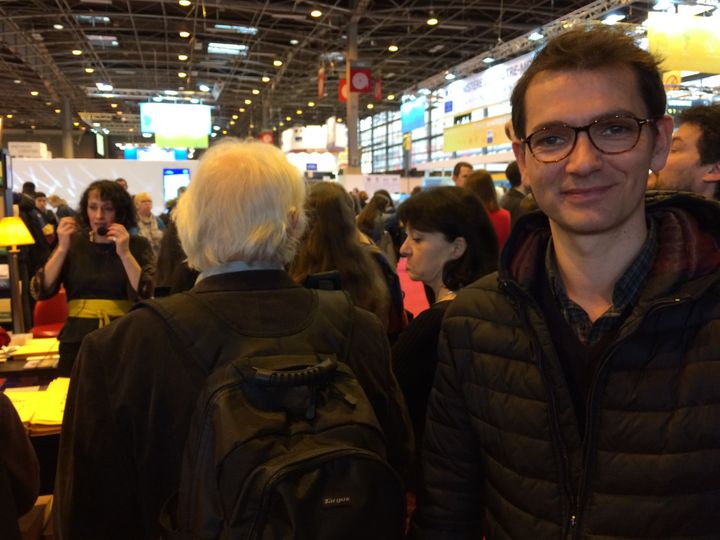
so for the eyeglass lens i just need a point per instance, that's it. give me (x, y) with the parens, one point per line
(609, 135)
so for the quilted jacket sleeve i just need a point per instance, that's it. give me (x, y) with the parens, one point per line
(449, 505)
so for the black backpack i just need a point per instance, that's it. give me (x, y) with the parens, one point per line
(281, 445)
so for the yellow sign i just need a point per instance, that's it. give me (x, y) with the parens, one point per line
(685, 42)
(485, 132)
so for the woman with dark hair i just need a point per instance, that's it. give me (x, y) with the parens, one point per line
(331, 242)
(481, 184)
(450, 243)
(102, 267)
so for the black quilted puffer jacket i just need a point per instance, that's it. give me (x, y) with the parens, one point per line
(503, 457)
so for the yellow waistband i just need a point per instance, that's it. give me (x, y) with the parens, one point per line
(103, 310)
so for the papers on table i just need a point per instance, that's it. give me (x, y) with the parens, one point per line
(37, 348)
(41, 410)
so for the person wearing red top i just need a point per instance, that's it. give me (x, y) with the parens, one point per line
(481, 184)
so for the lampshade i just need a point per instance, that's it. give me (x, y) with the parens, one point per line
(13, 232)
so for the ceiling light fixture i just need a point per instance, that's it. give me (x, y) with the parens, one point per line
(288, 118)
(277, 63)
(393, 47)
(294, 42)
(184, 3)
(255, 91)
(370, 106)
(182, 57)
(89, 70)
(184, 34)
(58, 111)
(298, 112)
(449, 76)
(235, 116)
(76, 124)
(204, 88)
(58, 26)
(432, 20)
(316, 13)
(34, 92)
(311, 103)
(391, 97)
(17, 81)
(8, 115)
(182, 74)
(232, 122)
(76, 52)
(265, 79)
(248, 102)
(252, 126)
(113, 105)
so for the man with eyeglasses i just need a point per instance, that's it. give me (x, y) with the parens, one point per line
(578, 390)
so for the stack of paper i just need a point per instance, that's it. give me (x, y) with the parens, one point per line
(37, 348)
(41, 410)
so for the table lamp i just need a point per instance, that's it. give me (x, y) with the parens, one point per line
(14, 233)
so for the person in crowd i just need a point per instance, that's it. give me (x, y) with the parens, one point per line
(371, 220)
(460, 173)
(103, 268)
(577, 389)
(148, 225)
(511, 200)
(450, 243)
(122, 183)
(41, 205)
(19, 471)
(28, 188)
(331, 243)
(694, 160)
(62, 209)
(134, 389)
(482, 185)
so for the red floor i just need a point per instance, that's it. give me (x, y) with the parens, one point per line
(415, 300)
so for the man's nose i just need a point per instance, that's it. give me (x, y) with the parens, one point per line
(585, 157)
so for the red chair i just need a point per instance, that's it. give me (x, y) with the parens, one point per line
(49, 316)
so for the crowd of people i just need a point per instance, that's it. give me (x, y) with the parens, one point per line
(563, 381)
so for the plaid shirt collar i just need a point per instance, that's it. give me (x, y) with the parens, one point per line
(625, 293)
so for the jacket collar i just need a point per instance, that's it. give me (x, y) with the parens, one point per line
(249, 280)
(688, 244)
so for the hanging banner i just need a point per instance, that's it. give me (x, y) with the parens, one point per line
(685, 42)
(360, 79)
(342, 90)
(321, 83)
(267, 137)
(377, 89)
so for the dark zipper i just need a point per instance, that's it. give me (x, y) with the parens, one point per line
(555, 426)
(589, 431)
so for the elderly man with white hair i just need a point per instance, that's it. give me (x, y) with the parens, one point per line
(134, 386)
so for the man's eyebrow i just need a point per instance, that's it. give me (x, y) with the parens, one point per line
(608, 114)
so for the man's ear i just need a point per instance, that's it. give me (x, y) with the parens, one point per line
(663, 138)
(459, 245)
(713, 173)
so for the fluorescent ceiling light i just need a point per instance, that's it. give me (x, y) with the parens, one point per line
(613, 18)
(103, 41)
(449, 76)
(236, 49)
(104, 87)
(92, 19)
(535, 36)
(204, 88)
(237, 29)
(488, 60)
(171, 92)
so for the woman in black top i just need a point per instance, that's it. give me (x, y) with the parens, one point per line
(450, 243)
(102, 267)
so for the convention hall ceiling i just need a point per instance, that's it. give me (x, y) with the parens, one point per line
(57, 52)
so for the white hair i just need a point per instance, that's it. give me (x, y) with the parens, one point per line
(245, 202)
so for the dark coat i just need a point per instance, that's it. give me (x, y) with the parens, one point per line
(134, 389)
(503, 454)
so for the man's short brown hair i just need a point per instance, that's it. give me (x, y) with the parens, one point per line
(588, 48)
